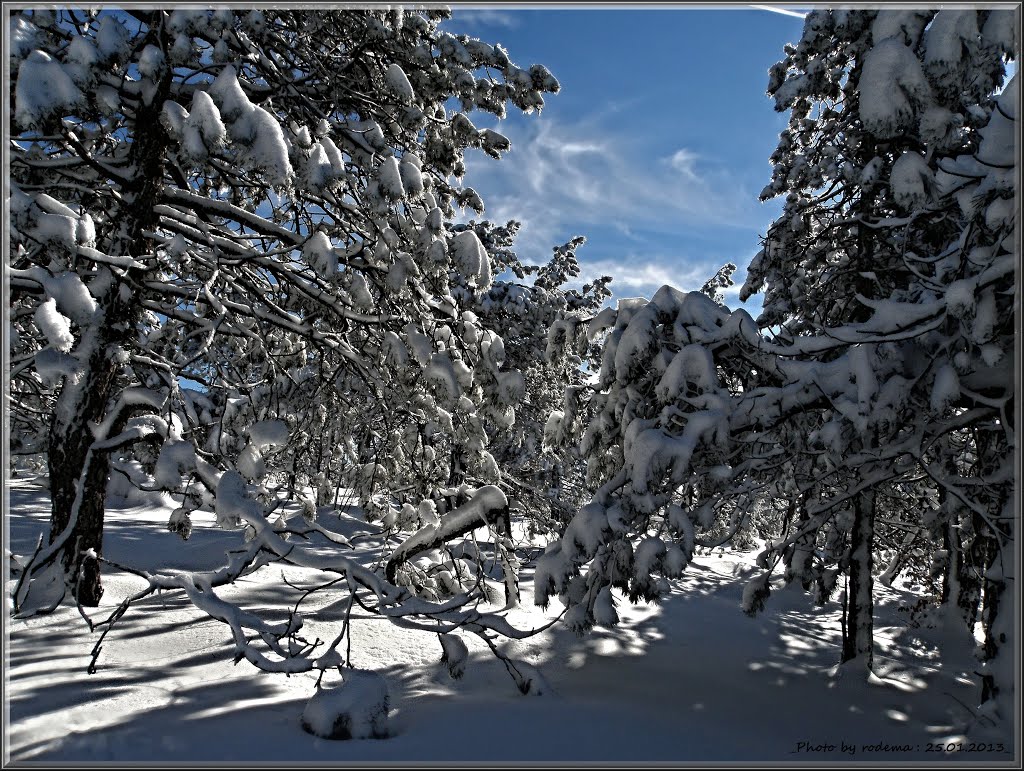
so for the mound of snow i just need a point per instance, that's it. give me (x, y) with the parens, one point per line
(357, 709)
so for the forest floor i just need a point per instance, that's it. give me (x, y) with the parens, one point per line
(689, 680)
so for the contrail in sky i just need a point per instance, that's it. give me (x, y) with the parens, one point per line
(776, 9)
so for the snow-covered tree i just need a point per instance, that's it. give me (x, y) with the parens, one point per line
(658, 446)
(876, 390)
(543, 326)
(258, 202)
(897, 166)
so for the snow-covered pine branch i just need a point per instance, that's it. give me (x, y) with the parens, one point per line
(844, 408)
(248, 215)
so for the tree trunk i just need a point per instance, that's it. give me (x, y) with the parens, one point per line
(1000, 625)
(899, 559)
(800, 559)
(858, 627)
(78, 475)
(954, 563)
(985, 552)
(979, 569)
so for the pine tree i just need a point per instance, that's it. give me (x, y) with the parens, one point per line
(885, 107)
(241, 199)
(875, 391)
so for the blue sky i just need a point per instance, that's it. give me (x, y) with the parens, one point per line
(656, 147)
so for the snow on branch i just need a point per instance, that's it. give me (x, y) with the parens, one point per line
(487, 507)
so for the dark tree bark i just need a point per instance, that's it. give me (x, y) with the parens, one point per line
(987, 549)
(78, 474)
(954, 564)
(858, 626)
(800, 558)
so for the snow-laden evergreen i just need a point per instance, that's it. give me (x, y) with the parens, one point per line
(239, 295)
(871, 405)
(270, 259)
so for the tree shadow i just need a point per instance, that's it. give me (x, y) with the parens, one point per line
(694, 657)
(207, 722)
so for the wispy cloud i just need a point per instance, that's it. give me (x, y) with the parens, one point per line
(683, 161)
(485, 17)
(581, 175)
(635, 275)
(642, 275)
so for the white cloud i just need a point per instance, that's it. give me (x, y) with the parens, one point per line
(630, 273)
(561, 175)
(484, 17)
(635, 275)
(734, 290)
(576, 148)
(683, 161)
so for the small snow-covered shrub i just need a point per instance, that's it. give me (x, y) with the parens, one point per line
(356, 709)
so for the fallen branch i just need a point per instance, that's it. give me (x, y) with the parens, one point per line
(487, 507)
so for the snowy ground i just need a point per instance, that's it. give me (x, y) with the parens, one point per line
(692, 679)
